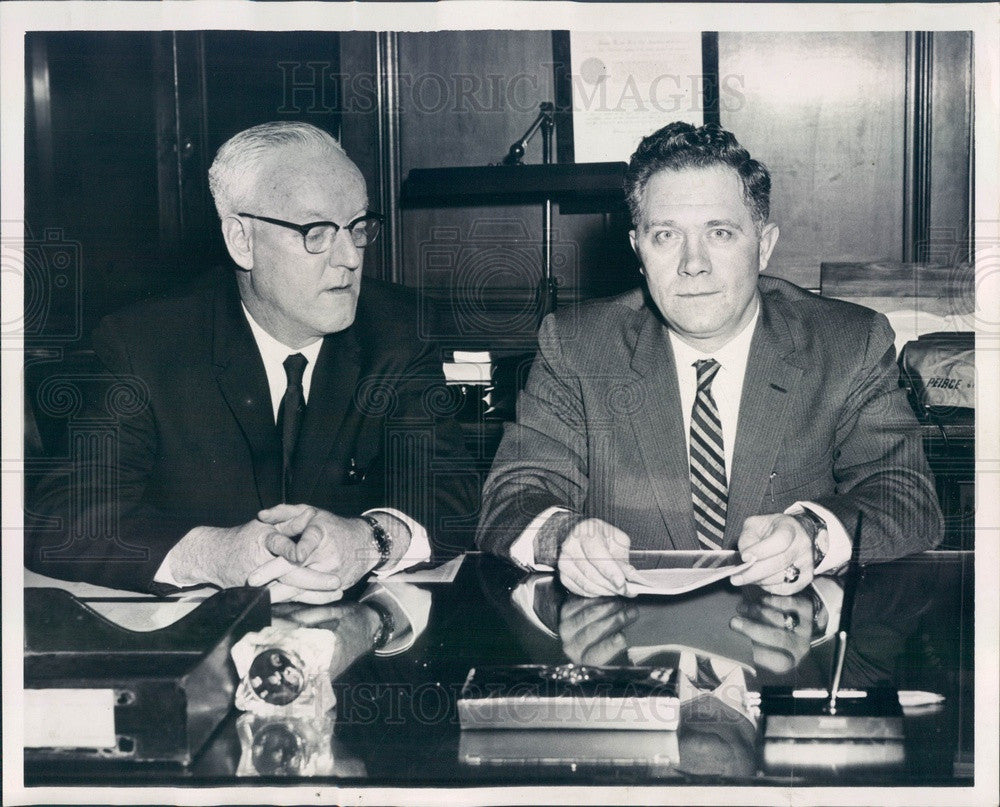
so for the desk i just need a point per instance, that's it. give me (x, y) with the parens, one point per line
(397, 725)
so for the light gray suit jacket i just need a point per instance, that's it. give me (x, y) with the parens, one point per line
(822, 418)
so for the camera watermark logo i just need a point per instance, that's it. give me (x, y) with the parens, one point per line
(973, 284)
(50, 268)
(488, 277)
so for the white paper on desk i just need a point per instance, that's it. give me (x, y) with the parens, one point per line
(145, 615)
(445, 573)
(678, 580)
(131, 610)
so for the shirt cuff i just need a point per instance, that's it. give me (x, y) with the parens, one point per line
(522, 551)
(832, 596)
(404, 600)
(523, 597)
(419, 549)
(838, 553)
(165, 574)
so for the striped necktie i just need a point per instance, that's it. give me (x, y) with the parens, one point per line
(708, 460)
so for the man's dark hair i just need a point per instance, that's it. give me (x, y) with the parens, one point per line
(680, 145)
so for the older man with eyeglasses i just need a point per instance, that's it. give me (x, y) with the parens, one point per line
(285, 431)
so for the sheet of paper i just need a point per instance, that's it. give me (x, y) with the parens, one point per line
(445, 573)
(627, 85)
(145, 616)
(88, 591)
(131, 610)
(678, 581)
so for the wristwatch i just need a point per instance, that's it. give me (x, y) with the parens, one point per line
(380, 539)
(813, 526)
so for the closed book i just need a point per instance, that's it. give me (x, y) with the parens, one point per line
(570, 696)
(96, 691)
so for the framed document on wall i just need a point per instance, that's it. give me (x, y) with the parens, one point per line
(613, 88)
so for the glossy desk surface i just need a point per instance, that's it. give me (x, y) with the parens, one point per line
(396, 721)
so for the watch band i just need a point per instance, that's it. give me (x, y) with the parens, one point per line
(813, 526)
(387, 624)
(381, 539)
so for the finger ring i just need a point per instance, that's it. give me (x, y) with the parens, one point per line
(791, 573)
(791, 620)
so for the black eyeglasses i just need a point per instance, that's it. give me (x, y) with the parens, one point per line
(318, 236)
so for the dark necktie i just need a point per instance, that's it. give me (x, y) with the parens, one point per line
(293, 407)
(708, 460)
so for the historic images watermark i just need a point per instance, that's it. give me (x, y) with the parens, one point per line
(317, 87)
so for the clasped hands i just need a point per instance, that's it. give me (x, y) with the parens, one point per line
(594, 559)
(331, 554)
(302, 552)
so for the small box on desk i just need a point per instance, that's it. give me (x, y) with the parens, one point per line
(570, 696)
(96, 691)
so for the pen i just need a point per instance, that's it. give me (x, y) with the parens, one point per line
(846, 609)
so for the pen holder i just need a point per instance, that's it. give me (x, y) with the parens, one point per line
(862, 736)
(866, 714)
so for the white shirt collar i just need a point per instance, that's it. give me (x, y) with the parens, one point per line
(732, 355)
(273, 353)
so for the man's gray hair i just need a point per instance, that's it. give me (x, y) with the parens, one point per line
(234, 172)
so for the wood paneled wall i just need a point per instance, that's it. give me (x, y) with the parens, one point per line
(91, 206)
(824, 113)
(465, 97)
(951, 143)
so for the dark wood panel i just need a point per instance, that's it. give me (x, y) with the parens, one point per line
(92, 224)
(359, 121)
(951, 139)
(465, 96)
(892, 279)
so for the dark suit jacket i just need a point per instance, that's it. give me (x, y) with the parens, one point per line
(182, 434)
(599, 428)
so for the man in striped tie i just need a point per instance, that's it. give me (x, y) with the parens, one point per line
(715, 409)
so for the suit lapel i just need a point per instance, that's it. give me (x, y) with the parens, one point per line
(330, 395)
(770, 380)
(239, 371)
(659, 431)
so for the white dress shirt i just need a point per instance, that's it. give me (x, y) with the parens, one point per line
(727, 388)
(273, 354)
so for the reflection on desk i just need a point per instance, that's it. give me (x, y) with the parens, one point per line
(396, 719)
